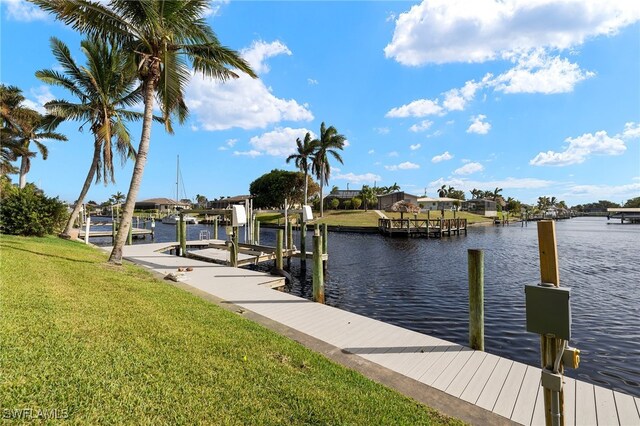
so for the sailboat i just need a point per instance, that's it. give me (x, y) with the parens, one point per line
(174, 218)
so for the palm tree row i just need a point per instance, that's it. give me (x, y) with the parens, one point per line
(313, 155)
(162, 38)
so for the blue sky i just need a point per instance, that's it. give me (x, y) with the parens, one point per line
(536, 97)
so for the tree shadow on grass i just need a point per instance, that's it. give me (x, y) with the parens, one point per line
(9, 246)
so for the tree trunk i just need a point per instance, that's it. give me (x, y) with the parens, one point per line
(321, 198)
(138, 169)
(306, 179)
(83, 193)
(23, 172)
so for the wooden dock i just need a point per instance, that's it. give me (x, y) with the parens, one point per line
(632, 215)
(426, 228)
(135, 232)
(505, 389)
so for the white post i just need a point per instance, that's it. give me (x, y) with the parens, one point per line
(286, 220)
(86, 230)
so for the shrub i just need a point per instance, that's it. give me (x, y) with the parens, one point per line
(346, 204)
(335, 203)
(356, 202)
(30, 212)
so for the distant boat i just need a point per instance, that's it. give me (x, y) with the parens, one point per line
(173, 219)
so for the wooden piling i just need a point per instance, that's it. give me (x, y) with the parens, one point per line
(256, 232)
(233, 248)
(325, 243)
(87, 230)
(303, 240)
(183, 236)
(279, 238)
(289, 235)
(215, 228)
(130, 234)
(318, 275)
(549, 273)
(476, 299)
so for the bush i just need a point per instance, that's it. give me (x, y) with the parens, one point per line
(356, 202)
(29, 212)
(346, 204)
(335, 203)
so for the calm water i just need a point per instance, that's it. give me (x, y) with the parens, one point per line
(422, 285)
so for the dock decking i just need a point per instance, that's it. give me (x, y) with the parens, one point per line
(428, 228)
(507, 388)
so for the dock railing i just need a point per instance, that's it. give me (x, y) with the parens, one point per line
(416, 227)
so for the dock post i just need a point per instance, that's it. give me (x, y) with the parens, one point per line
(87, 230)
(215, 228)
(256, 232)
(183, 236)
(153, 228)
(549, 274)
(303, 238)
(233, 248)
(177, 233)
(289, 235)
(130, 234)
(476, 299)
(316, 229)
(114, 225)
(325, 243)
(318, 275)
(279, 238)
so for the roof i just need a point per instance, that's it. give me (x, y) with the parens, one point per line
(397, 192)
(168, 201)
(439, 199)
(482, 199)
(234, 198)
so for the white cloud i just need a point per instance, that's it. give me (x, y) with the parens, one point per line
(382, 130)
(605, 191)
(407, 165)
(243, 102)
(358, 179)
(441, 31)
(478, 126)
(393, 154)
(414, 147)
(279, 142)
(442, 157)
(252, 153)
(312, 81)
(536, 72)
(20, 10)
(214, 7)
(435, 134)
(421, 126)
(468, 169)
(418, 108)
(231, 142)
(508, 183)
(581, 148)
(457, 99)
(371, 151)
(260, 51)
(631, 131)
(42, 95)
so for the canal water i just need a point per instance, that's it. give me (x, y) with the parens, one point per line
(422, 285)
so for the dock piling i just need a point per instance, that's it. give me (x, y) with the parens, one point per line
(87, 230)
(303, 238)
(318, 275)
(130, 234)
(215, 228)
(183, 236)
(233, 247)
(256, 232)
(279, 238)
(476, 299)
(325, 243)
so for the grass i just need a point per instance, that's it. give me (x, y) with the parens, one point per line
(115, 345)
(370, 218)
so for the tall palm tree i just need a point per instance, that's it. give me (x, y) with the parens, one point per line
(303, 158)
(329, 143)
(165, 36)
(442, 192)
(496, 193)
(104, 88)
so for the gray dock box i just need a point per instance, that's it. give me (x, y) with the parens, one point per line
(548, 310)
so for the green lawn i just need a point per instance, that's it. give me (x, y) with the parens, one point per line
(115, 345)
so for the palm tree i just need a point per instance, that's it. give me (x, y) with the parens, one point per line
(34, 127)
(442, 192)
(368, 196)
(329, 143)
(303, 158)
(496, 193)
(104, 88)
(201, 200)
(164, 36)
(475, 193)
(393, 188)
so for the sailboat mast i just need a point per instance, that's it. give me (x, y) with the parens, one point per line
(177, 179)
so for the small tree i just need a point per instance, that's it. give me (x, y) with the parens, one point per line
(356, 202)
(346, 204)
(28, 211)
(334, 203)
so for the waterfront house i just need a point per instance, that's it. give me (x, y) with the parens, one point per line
(440, 203)
(387, 200)
(161, 205)
(481, 206)
(227, 202)
(342, 195)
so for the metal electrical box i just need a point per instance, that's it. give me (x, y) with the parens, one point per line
(239, 216)
(548, 310)
(307, 214)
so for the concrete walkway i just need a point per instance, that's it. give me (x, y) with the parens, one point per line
(381, 214)
(498, 385)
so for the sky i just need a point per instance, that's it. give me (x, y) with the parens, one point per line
(538, 97)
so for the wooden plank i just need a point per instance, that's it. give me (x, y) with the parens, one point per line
(569, 401)
(429, 359)
(526, 402)
(606, 412)
(509, 393)
(585, 404)
(627, 411)
(474, 388)
(459, 363)
(460, 382)
(436, 369)
(538, 412)
(493, 387)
